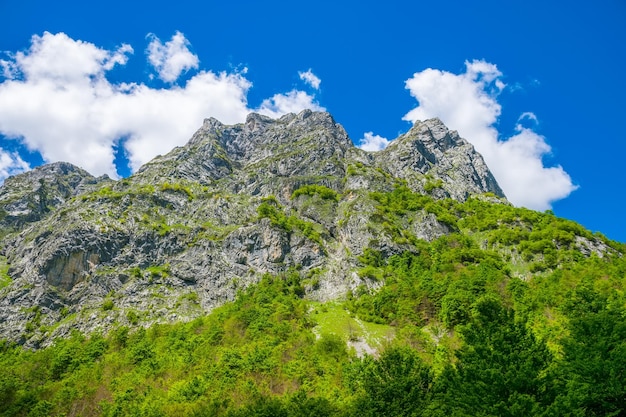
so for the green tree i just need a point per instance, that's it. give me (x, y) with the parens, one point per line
(397, 384)
(592, 374)
(501, 368)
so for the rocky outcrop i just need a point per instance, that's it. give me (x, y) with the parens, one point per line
(262, 156)
(187, 231)
(431, 155)
(30, 196)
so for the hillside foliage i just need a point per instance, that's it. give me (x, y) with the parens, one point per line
(512, 313)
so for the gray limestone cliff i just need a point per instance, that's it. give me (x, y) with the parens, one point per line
(190, 228)
(430, 148)
(30, 196)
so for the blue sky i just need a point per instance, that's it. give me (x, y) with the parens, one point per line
(537, 87)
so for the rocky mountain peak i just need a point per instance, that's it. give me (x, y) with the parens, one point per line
(29, 196)
(430, 149)
(191, 227)
(261, 137)
(434, 130)
(274, 151)
(53, 172)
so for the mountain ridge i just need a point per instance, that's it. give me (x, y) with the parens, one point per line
(192, 227)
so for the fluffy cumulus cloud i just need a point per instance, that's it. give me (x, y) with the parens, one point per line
(468, 103)
(56, 99)
(172, 58)
(372, 142)
(11, 164)
(291, 102)
(310, 78)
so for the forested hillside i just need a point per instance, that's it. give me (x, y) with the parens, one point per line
(510, 313)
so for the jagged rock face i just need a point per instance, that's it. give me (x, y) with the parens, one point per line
(184, 233)
(430, 148)
(28, 197)
(290, 150)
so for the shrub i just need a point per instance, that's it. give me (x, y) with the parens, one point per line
(324, 192)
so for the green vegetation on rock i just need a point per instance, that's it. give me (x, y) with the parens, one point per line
(5, 279)
(323, 191)
(272, 210)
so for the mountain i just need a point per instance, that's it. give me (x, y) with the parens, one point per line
(272, 268)
(187, 225)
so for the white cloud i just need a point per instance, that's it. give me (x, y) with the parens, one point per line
(468, 103)
(11, 164)
(157, 120)
(310, 78)
(372, 142)
(172, 58)
(527, 115)
(292, 102)
(57, 100)
(529, 182)
(60, 59)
